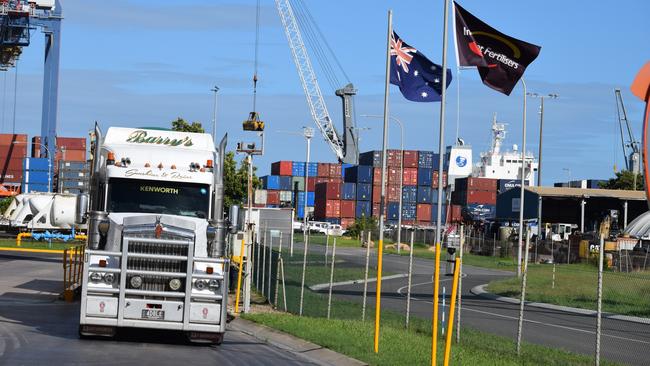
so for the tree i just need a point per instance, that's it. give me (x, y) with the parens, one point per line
(624, 180)
(181, 125)
(363, 224)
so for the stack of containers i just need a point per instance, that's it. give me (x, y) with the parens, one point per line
(36, 175)
(362, 177)
(348, 203)
(300, 204)
(67, 149)
(73, 177)
(278, 190)
(328, 202)
(478, 196)
(13, 149)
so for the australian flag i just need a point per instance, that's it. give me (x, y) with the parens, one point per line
(419, 79)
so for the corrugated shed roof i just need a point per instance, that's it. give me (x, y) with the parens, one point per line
(639, 227)
(584, 192)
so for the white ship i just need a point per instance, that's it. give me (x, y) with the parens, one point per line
(504, 165)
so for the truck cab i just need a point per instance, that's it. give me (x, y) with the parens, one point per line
(155, 253)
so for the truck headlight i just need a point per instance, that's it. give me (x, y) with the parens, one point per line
(109, 278)
(96, 276)
(175, 284)
(136, 281)
(200, 284)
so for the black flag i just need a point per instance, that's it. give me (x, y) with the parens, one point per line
(501, 60)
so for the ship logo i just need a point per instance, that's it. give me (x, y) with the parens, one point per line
(461, 161)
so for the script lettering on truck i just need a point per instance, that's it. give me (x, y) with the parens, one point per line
(142, 137)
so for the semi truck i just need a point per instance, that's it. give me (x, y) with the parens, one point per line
(155, 254)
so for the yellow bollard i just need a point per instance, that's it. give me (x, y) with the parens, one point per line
(452, 308)
(380, 252)
(434, 318)
(241, 269)
(20, 236)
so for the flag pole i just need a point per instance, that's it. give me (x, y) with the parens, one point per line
(521, 190)
(441, 166)
(380, 248)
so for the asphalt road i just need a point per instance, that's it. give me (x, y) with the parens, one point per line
(621, 341)
(37, 328)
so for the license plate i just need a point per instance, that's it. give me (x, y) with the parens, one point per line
(153, 314)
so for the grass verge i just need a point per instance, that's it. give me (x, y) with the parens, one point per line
(422, 251)
(576, 286)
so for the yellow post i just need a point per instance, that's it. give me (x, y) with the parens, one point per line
(241, 268)
(434, 318)
(452, 308)
(380, 252)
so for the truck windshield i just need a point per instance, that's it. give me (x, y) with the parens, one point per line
(150, 196)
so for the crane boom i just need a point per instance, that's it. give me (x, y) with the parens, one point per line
(308, 80)
(632, 159)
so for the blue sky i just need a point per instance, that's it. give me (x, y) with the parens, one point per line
(130, 63)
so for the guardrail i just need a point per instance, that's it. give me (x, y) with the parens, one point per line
(72, 270)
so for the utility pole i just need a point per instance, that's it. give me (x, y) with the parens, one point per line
(308, 132)
(214, 113)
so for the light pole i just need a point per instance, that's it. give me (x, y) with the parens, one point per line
(539, 163)
(308, 132)
(401, 175)
(49, 162)
(214, 113)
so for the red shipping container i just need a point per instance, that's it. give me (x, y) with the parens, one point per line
(13, 151)
(410, 158)
(282, 168)
(324, 170)
(328, 191)
(74, 143)
(410, 177)
(376, 177)
(346, 223)
(393, 176)
(71, 155)
(321, 180)
(272, 197)
(8, 139)
(335, 180)
(376, 194)
(408, 222)
(484, 184)
(311, 184)
(455, 214)
(485, 197)
(347, 209)
(375, 210)
(423, 212)
(393, 193)
(336, 171)
(328, 209)
(393, 158)
(434, 182)
(11, 176)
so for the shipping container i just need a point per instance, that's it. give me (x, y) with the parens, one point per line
(346, 223)
(312, 169)
(425, 176)
(375, 210)
(298, 168)
(343, 167)
(363, 209)
(393, 211)
(272, 197)
(328, 191)
(37, 164)
(359, 174)
(436, 177)
(473, 183)
(285, 182)
(393, 158)
(370, 158)
(410, 177)
(300, 211)
(71, 155)
(260, 197)
(348, 209)
(285, 196)
(327, 209)
(410, 194)
(425, 159)
(301, 199)
(434, 213)
(484, 197)
(480, 212)
(392, 193)
(376, 176)
(282, 168)
(424, 195)
(36, 176)
(364, 192)
(409, 211)
(311, 184)
(73, 165)
(348, 191)
(423, 213)
(9, 139)
(70, 174)
(455, 213)
(434, 195)
(33, 187)
(311, 199)
(508, 184)
(71, 143)
(393, 176)
(11, 176)
(332, 220)
(323, 170)
(271, 182)
(376, 194)
(298, 183)
(335, 171)
(411, 158)
(595, 183)
(15, 150)
(71, 183)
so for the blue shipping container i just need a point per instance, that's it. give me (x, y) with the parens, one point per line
(434, 213)
(425, 159)
(298, 168)
(36, 164)
(410, 194)
(409, 211)
(425, 176)
(434, 195)
(364, 208)
(30, 187)
(393, 211)
(424, 194)
(310, 199)
(313, 169)
(359, 174)
(480, 212)
(284, 183)
(271, 182)
(364, 192)
(348, 191)
(300, 211)
(31, 176)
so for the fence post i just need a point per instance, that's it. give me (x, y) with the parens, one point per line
(600, 298)
(284, 289)
(365, 278)
(304, 269)
(327, 246)
(277, 273)
(523, 294)
(329, 299)
(264, 263)
(408, 291)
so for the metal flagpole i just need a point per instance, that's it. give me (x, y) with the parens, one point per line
(521, 190)
(382, 203)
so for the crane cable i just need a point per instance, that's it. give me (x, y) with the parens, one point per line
(257, 43)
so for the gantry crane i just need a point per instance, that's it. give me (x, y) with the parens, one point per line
(345, 147)
(631, 149)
